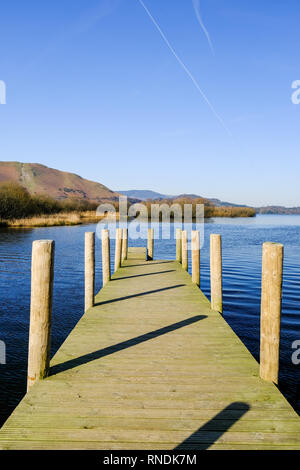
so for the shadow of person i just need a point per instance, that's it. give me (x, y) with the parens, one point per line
(211, 431)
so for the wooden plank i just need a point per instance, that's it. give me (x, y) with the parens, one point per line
(151, 366)
(137, 253)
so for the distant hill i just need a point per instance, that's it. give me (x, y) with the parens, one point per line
(278, 210)
(218, 203)
(39, 179)
(61, 185)
(143, 195)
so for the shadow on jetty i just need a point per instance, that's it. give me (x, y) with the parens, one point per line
(141, 294)
(124, 345)
(147, 264)
(142, 275)
(211, 431)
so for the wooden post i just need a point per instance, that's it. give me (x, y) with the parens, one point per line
(124, 244)
(196, 257)
(271, 293)
(216, 272)
(42, 268)
(150, 243)
(184, 250)
(178, 245)
(118, 248)
(105, 257)
(89, 270)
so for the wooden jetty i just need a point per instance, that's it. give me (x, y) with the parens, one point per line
(151, 366)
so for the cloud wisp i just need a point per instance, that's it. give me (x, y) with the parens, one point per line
(184, 67)
(196, 5)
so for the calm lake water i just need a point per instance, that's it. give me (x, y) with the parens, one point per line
(242, 244)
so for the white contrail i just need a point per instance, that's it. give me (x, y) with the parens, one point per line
(185, 68)
(196, 4)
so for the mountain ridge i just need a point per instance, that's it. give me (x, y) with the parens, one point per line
(143, 195)
(270, 209)
(42, 180)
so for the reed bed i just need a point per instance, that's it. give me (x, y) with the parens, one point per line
(44, 220)
(54, 220)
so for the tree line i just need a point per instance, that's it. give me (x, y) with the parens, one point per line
(16, 202)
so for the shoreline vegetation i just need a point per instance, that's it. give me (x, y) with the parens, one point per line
(210, 210)
(53, 220)
(19, 209)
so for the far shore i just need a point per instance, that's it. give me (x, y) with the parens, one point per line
(54, 220)
(79, 218)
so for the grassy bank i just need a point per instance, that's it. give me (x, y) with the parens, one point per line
(210, 210)
(17, 203)
(230, 211)
(18, 208)
(52, 220)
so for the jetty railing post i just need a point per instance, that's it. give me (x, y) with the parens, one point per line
(150, 243)
(105, 257)
(216, 272)
(178, 245)
(118, 248)
(89, 270)
(196, 257)
(42, 269)
(124, 243)
(184, 250)
(271, 294)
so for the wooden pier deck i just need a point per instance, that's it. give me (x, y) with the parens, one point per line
(151, 366)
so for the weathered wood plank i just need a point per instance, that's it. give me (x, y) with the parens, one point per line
(137, 253)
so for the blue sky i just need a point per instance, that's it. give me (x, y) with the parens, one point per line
(93, 88)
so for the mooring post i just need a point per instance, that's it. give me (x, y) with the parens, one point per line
(271, 294)
(216, 272)
(42, 268)
(124, 244)
(150, 243)
(178, 245)
(89, 270)
(184, 250)
(105, 257)
(196, 257)
(118, 248)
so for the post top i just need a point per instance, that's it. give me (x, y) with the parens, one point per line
(43, 242)
(89, 235)
(274, 244)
